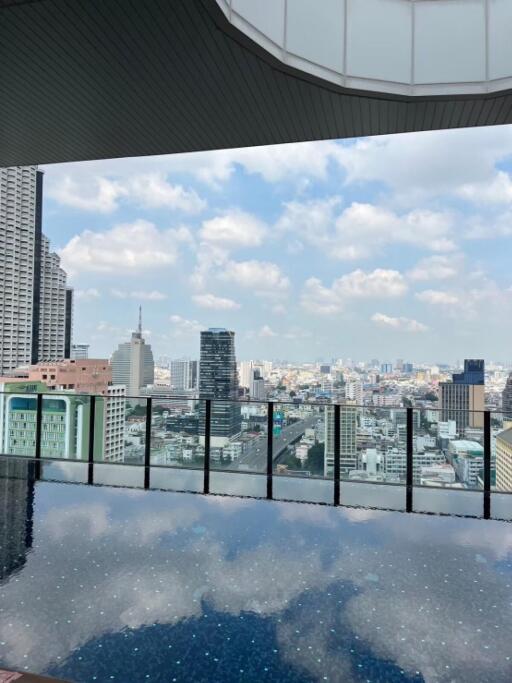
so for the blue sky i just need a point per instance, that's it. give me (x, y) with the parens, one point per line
(390, 247)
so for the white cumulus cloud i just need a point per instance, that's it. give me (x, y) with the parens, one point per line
(125, 248)
(182, 327)
(154, 191)
(234, 229)
(139, 295)
(216, 303)
(262, 277)
(102, 194)
(402, 324)
(362, 229)
(439, 267)
(435, 163)
(380, 283)
(266, 331)
(437, 297)
(87, 294)
(99, 195)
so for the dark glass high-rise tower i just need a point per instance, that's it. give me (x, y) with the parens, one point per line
(218, 380)
(474, 372)
(463, 399)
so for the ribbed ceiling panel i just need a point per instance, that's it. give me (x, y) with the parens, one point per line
(91, 79)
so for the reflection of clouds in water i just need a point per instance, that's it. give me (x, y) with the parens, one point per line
(309, 514)
(441, 616)
(495, 538)
(308, 642)
(360, 515)
(95, 571)
(92, 520)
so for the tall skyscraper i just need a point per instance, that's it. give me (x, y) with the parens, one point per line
(53, 307)
(257, 388)
(354, 391)
(506, 402)
(183, 375)
(133, 364)
(33, 301)
(218, 379)
(115, 414)
(463, 399)
(245, 373)
(504, 459)
(348, 438)
(68, 322)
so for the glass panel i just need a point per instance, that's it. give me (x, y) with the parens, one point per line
(320, 38)
(265, 15)
(73, 471)
(299, 488)
(448, 462)
(238, 445)
(125, 425)
(118, 475)
(367, 494)
(303, 450)
(373, 454)
(501, 506)
(177, 478)
(238, 440)
(19, 409)
(177, 433)
(449, 42)
(65, 426)
(448, 501)
(238, 484)
(386, 26)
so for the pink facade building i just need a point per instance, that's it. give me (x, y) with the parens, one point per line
(89, 376)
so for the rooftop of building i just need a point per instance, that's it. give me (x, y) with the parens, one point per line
(505, 436)
(467, 448)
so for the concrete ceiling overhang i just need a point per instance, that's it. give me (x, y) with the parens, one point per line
(93, 79)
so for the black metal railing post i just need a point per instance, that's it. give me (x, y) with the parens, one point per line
(337, 453)
(92, 421)
(270, 450)
(487, 464)
(409, 464)
(207, 434)
(38, 435)
(147, 444)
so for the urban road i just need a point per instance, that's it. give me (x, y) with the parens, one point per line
(255, 457)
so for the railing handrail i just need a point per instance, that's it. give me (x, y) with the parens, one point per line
(409, 425)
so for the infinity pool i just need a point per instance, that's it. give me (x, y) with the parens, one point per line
(102, 584)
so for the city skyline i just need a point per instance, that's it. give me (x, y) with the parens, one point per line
(309, 250)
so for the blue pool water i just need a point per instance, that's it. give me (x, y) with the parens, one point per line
(102, 584)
